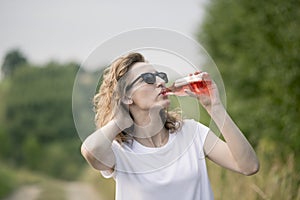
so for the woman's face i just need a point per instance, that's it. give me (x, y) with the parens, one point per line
(145, 96)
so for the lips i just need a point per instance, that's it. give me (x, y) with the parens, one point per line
(163, 92)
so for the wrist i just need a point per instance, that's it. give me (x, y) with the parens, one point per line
(115, 125)
(110, 130)
(216, 109)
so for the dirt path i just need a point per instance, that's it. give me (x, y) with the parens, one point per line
(74, 191)
(29, 192)
(80, 191)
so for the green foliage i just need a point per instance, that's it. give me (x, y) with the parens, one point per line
(7, 181)
(39, 127)
(63, 160)
(13, 60)
(5, 144)
(256, 45)
(32, 152)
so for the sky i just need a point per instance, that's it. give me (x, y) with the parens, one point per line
(69, 30)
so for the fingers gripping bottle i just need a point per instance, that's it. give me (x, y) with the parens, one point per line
(194, 82)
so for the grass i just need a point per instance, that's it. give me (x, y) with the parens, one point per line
(51, 189)
(276, 180)
(7, 180)
(105, 187)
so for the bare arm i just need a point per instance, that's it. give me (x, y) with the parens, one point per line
(235, 152)
(96, 149)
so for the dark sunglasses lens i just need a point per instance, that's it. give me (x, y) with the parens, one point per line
(149, 78)
(163, 76)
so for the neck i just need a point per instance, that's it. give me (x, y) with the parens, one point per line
(149, 129)
(158, 140)
(142, 118)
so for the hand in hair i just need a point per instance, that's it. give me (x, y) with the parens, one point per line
(122, 117)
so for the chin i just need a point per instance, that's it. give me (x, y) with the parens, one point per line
(166, 103)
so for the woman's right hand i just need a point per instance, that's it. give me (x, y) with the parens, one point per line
(122, 117)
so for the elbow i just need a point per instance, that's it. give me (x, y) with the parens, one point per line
(93, 161)
(252, 169)
(84, 152)
(89, 157)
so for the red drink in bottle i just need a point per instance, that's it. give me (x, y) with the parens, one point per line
(194, 83)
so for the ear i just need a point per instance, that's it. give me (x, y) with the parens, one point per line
(127, 100)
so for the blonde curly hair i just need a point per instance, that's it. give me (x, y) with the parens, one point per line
(108, 97)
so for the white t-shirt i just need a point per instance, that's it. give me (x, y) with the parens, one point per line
(176, 171)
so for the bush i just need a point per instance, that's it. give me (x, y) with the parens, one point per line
(39, 129)
(7, 181)
(61, 160)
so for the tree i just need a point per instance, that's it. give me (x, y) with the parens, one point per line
(256, 46)
(38, 114)
(13, 60)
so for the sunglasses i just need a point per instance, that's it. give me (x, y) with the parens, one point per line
(149, 78)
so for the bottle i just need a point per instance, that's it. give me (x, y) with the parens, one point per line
(193, 82)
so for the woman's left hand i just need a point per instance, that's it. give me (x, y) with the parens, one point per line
(210, 95)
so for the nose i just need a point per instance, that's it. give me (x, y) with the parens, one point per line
(160, 82)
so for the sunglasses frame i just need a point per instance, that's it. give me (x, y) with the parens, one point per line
(164, 77)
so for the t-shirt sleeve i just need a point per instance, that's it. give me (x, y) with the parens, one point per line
(202, 132)
(199, 130)
(108, 173)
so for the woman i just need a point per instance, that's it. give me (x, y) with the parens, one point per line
(150, 152)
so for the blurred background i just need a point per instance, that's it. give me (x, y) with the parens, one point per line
(255, 45)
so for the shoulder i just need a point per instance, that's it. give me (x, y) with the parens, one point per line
(197, 129)
(191, 123)
(121, 148)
